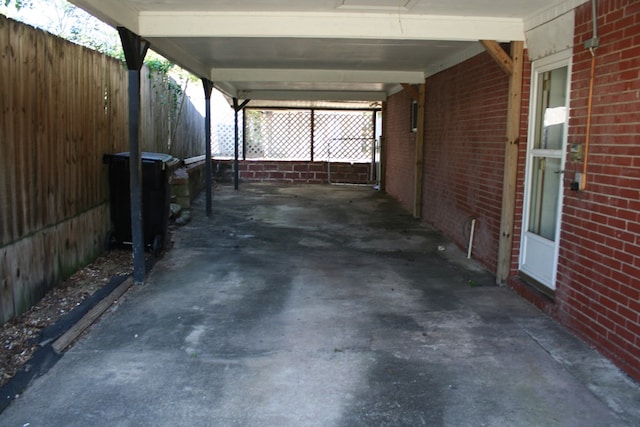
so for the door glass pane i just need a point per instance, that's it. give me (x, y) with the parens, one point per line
(545, 192)
(552, 111)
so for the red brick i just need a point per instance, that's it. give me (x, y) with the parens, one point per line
(301, 167)
(598, 281)
(284, 166)
(628, 314)
(294, 176)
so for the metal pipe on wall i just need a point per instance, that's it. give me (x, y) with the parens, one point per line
(471, 236)
(590, 44)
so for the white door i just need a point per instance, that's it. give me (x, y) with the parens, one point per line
(544, 171)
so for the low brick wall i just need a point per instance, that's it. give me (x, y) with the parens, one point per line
(187, 182)
(294, 172)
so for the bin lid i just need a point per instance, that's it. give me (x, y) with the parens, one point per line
(167, 159)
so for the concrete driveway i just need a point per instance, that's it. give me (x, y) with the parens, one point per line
(323, 306)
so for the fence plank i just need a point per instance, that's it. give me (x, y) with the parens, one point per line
(6, 137)
(62, 107)
(6, 128)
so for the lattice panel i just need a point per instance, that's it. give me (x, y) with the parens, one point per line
(343, 136)
(278, 134)
(222, 133)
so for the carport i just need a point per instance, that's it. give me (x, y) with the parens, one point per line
(323, 306)
(330, 50)
(328, 305)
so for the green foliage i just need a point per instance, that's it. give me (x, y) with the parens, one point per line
(159, 65)
(167, 90)
(19, 4)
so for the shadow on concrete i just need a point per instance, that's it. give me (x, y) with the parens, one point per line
(323, 306)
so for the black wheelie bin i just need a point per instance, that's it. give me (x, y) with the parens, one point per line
(156, 170)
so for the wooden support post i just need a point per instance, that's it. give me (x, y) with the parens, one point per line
(515, 66)
(413, 93)
(499, 55)
(419, 175)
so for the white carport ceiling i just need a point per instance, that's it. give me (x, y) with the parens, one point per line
(321, 49)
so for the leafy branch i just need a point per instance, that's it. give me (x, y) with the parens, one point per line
(19, 4)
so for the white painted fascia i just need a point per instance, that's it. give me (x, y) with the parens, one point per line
(321, 76)
(293, 95)
(328, 25)
(551, 13)
(394, 6)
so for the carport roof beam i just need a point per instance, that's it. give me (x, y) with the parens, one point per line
(299, 75)
(292, 95)
(328, 25)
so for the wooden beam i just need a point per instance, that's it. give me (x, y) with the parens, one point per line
(419, 176)
(413, 93)
(87, 320)
(499, 55)
(510, 163)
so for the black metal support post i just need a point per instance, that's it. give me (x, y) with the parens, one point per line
(373, 172)
(244, 137)
(313, 134)
(236, 163)
(208, 88)
(236, 172)
(135, 49)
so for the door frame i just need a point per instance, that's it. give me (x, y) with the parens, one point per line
(555, 61)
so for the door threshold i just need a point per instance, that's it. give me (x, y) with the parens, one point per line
(537, 286)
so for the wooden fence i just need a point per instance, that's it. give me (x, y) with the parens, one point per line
(170, 122)
(62, 107)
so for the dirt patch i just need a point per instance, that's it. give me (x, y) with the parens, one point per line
(19, 336)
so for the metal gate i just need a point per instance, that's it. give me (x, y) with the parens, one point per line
(332, 136)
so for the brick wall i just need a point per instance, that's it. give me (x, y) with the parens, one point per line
(399, 149)
(598, 284)
(465, 128)
(294, 172)
(598, 287)
(465, 131)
